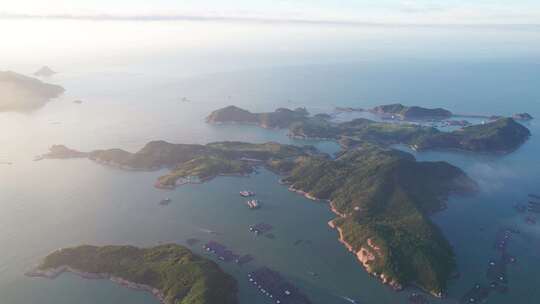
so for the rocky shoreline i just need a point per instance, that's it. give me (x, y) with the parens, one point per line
(53, 273)
(364, 255)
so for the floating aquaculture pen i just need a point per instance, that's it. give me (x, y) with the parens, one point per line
(260, 228)
(226, 255)
(272, 285)
(477, 294)
(220, 251)
(535, 196)
(416, 298)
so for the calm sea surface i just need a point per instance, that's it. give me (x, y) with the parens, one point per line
(132, 77)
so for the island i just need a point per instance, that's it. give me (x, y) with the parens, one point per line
(190, 163)
(21, 93)
(399, 111)
(44, 71)
(522, 116)
(279, 119)
(382, 197)
(501, 135)
(172, 273)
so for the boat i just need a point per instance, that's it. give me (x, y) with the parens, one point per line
(349, 300)
(253, 204)
(165, 202)
(247, 193)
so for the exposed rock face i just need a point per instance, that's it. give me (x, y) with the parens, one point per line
(383, 198)
(22, 93)
(411, 113)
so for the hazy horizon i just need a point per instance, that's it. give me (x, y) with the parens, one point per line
(320, 11)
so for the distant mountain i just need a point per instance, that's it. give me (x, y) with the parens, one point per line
(411, 113)
(503, 135)
(280, 118)
(44, 72)
(23, 93)
(522, 116)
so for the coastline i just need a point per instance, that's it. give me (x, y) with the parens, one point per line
(363, 255)
(189, 181)
(53, 273)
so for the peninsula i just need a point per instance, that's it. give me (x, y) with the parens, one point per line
(382, 197)
(172, 273)
(191, 163)
(502, 135)
(22, 93)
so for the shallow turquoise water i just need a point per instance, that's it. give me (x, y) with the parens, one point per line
(51, 204)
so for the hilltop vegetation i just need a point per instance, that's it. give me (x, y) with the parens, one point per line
(384, 198)
(190, 161)
(501, 135)
(281, 118)
(183, 277)
(411, 113)
(205, 168)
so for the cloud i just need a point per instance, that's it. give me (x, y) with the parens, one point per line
(449, 20)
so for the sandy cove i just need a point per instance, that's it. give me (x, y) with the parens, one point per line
(53, 273)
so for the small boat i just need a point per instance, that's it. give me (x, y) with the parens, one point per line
(165, 202)
(253, 204)
(247, 193)
(349, 300)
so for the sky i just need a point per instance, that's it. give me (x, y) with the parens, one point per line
(362, 11)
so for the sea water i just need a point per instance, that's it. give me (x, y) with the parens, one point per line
(132, 92)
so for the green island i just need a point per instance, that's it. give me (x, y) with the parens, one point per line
(411, 112)
(383, 197)
(501, 135)
(191, 163)
(172, 273)
(22, 93)
(279, 119)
